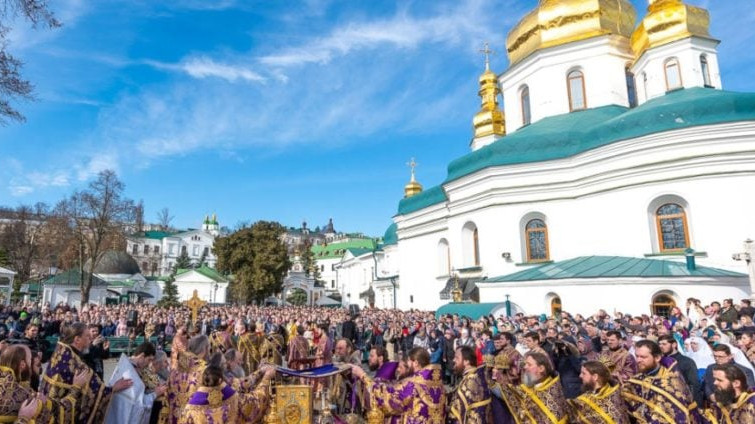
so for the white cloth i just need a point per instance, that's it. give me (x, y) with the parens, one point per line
(704, 355)
(130, 406)
(740, 357)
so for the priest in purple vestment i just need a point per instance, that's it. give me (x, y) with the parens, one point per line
(470, 402)
(419, 399)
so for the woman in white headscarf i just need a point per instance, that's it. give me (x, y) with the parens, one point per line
(701, 353)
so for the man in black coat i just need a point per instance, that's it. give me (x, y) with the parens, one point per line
(684, 365)
(98, 351)
(349, 330)
(722, 355)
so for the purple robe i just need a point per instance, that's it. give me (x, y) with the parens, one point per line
(419, 399)
(57, 384)
(741, 411)
(471, 400)
(223, 404)
(660, 397)
(183, 382)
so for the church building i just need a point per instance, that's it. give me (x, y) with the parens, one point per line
(621, 173)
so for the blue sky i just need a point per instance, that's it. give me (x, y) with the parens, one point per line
(269, 109)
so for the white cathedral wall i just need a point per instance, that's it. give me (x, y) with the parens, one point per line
(602, 61)
(634, 296)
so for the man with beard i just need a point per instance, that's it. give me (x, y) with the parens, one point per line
(186, 376)
(418, 399)
(540, 399)
(658, 394)
(470, 402)
(684, 365)
(617, 358)
(15, 368)
(345, 390)
(66, 362)
(733, 403)
(346, 353)
(378, 362)
(600, 401)
(503, 370)
(722, 355)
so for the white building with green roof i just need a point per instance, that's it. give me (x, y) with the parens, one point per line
(619, 153)
(156, 252)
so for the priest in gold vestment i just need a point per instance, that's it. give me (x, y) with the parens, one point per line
(734, 404)
(540, 398)
(470, 402)
(186, 377)
(600, 401)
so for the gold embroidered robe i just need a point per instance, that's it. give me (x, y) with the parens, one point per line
(57, 385)
(13, 394)
(249, 353)
(620, 362)
(419, 399)
(470, 403)
(183, 382)
(544, 403)
(605, 406)
(660, 397)
(225, 405)
(740, 412)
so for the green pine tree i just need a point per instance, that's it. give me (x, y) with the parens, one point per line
(202, 259)
(170, 292)
(309, 262)
(183, 261)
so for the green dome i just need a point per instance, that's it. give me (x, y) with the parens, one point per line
(390, 237)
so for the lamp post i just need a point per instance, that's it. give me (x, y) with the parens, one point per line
(508, 307)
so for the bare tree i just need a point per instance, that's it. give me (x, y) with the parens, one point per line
(98, 216)
(139, 216)
(164, 219)
(23, 238)
(12, 85)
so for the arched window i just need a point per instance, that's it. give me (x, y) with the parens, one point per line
(525, 99)
(671, 222)
(673, 74)
(576, 84)
(662, 305)
(705, 69)
(631, 88)
(536, 233)
(470, 245)
(444, 258)
(555, 306)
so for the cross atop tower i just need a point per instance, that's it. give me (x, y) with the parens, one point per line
(412, 164)
(487, 52)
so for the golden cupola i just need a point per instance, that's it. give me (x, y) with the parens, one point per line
(668, 21)
(413, 187)
(557, 22)
(489, 120)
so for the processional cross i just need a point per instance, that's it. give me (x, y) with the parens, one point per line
(194, 304)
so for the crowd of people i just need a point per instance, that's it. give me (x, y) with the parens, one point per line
(694, 365)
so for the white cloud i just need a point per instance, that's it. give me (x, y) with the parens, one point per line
(203, 67)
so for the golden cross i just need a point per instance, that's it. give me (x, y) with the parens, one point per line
(194, 304)
(412, 164)
(487, 52)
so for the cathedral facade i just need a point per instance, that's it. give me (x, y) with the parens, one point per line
(621, 173)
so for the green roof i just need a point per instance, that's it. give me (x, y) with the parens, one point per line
(208, 272)
(156, 235)
(612, 267)
(566, 135)
(72, 278)
(127, 284)
(390, 237)
(338, 249)
(359, 252)
(471, 310)
(561, 136)
(429, 197)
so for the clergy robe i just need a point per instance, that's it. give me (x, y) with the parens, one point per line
(133, 405)
(220, 341)
(543, 403)
(742, 411)
(604, 406)
(270, 351)
(620, 362)
(419, 399)
(660, 397)
(298, 353)
(250, 357)
(470, 403)
(223, 404)
(183, 382)
(178, 346)
(57, 384)
(13, 394)
(507, 361)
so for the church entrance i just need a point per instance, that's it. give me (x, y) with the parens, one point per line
(555, 306)
(662, 305)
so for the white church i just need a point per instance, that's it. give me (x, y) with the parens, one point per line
(620, 175)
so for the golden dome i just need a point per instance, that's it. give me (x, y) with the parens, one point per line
(413, 187)
(557, 22)
(489, 120)
(667, 21)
